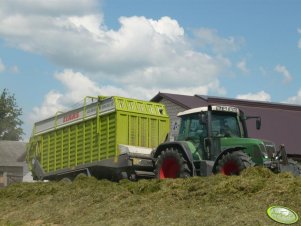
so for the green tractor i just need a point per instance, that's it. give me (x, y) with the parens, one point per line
(213, 140)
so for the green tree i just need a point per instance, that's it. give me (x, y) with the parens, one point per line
(10, 123)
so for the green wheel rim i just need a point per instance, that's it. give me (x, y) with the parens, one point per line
(282, 215)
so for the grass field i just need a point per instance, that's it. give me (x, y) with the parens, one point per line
(215, 200)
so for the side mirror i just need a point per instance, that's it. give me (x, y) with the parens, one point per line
(258, 123)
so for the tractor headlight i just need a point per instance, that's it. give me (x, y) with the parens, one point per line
(270, 149)
(263, 151)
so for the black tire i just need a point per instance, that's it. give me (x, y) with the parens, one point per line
(232, 163)
(171, 164)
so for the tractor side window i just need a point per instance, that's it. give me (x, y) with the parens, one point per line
(195, 129)
(191, 129)
(225, 125)
(183, 128)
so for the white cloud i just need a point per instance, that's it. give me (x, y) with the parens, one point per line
(260, 96)
(167, 27)
(76, 86)
(48, 8)
(242, 66)
(49, 107)
(207, 36)
(2, 66)
(287, 77)
(144, 54)
(295, 99)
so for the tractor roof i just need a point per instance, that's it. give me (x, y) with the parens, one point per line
(214, 108)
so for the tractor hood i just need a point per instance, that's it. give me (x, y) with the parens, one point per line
(238, 141)
(259, 150)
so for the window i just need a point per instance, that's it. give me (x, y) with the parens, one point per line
(225, 125)
(191, 129)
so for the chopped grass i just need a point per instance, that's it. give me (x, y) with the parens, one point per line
(214, 200)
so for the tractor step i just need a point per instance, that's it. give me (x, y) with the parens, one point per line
(144, 174)
(204, 167)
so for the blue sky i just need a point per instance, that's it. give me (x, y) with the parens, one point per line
(53, 53)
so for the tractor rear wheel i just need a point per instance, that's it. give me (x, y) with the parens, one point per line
(171, 164)
(232, 163)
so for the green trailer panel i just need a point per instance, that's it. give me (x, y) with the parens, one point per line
(93, 132)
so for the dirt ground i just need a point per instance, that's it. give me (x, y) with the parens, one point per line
(215, 200)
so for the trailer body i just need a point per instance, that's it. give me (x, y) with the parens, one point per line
(97, 139)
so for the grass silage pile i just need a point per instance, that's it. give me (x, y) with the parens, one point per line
(215, 200)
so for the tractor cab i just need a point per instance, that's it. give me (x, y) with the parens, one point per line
(211, 128)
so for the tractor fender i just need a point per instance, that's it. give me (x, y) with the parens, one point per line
(182, 147)
(228, 150)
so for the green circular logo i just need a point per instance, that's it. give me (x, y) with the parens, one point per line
(282, 215)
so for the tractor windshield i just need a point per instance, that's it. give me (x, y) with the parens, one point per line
(225, 125)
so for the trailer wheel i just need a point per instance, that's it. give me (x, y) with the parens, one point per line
(232, 163)
(171, 164)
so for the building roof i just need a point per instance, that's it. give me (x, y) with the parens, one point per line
(250, 103)
(195, 101)
(12, 152)
(184, 101)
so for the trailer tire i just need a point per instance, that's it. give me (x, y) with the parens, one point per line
(171, 164)
(232, 163)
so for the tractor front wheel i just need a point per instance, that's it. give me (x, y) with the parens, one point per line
(232, 163)
(171, 164)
